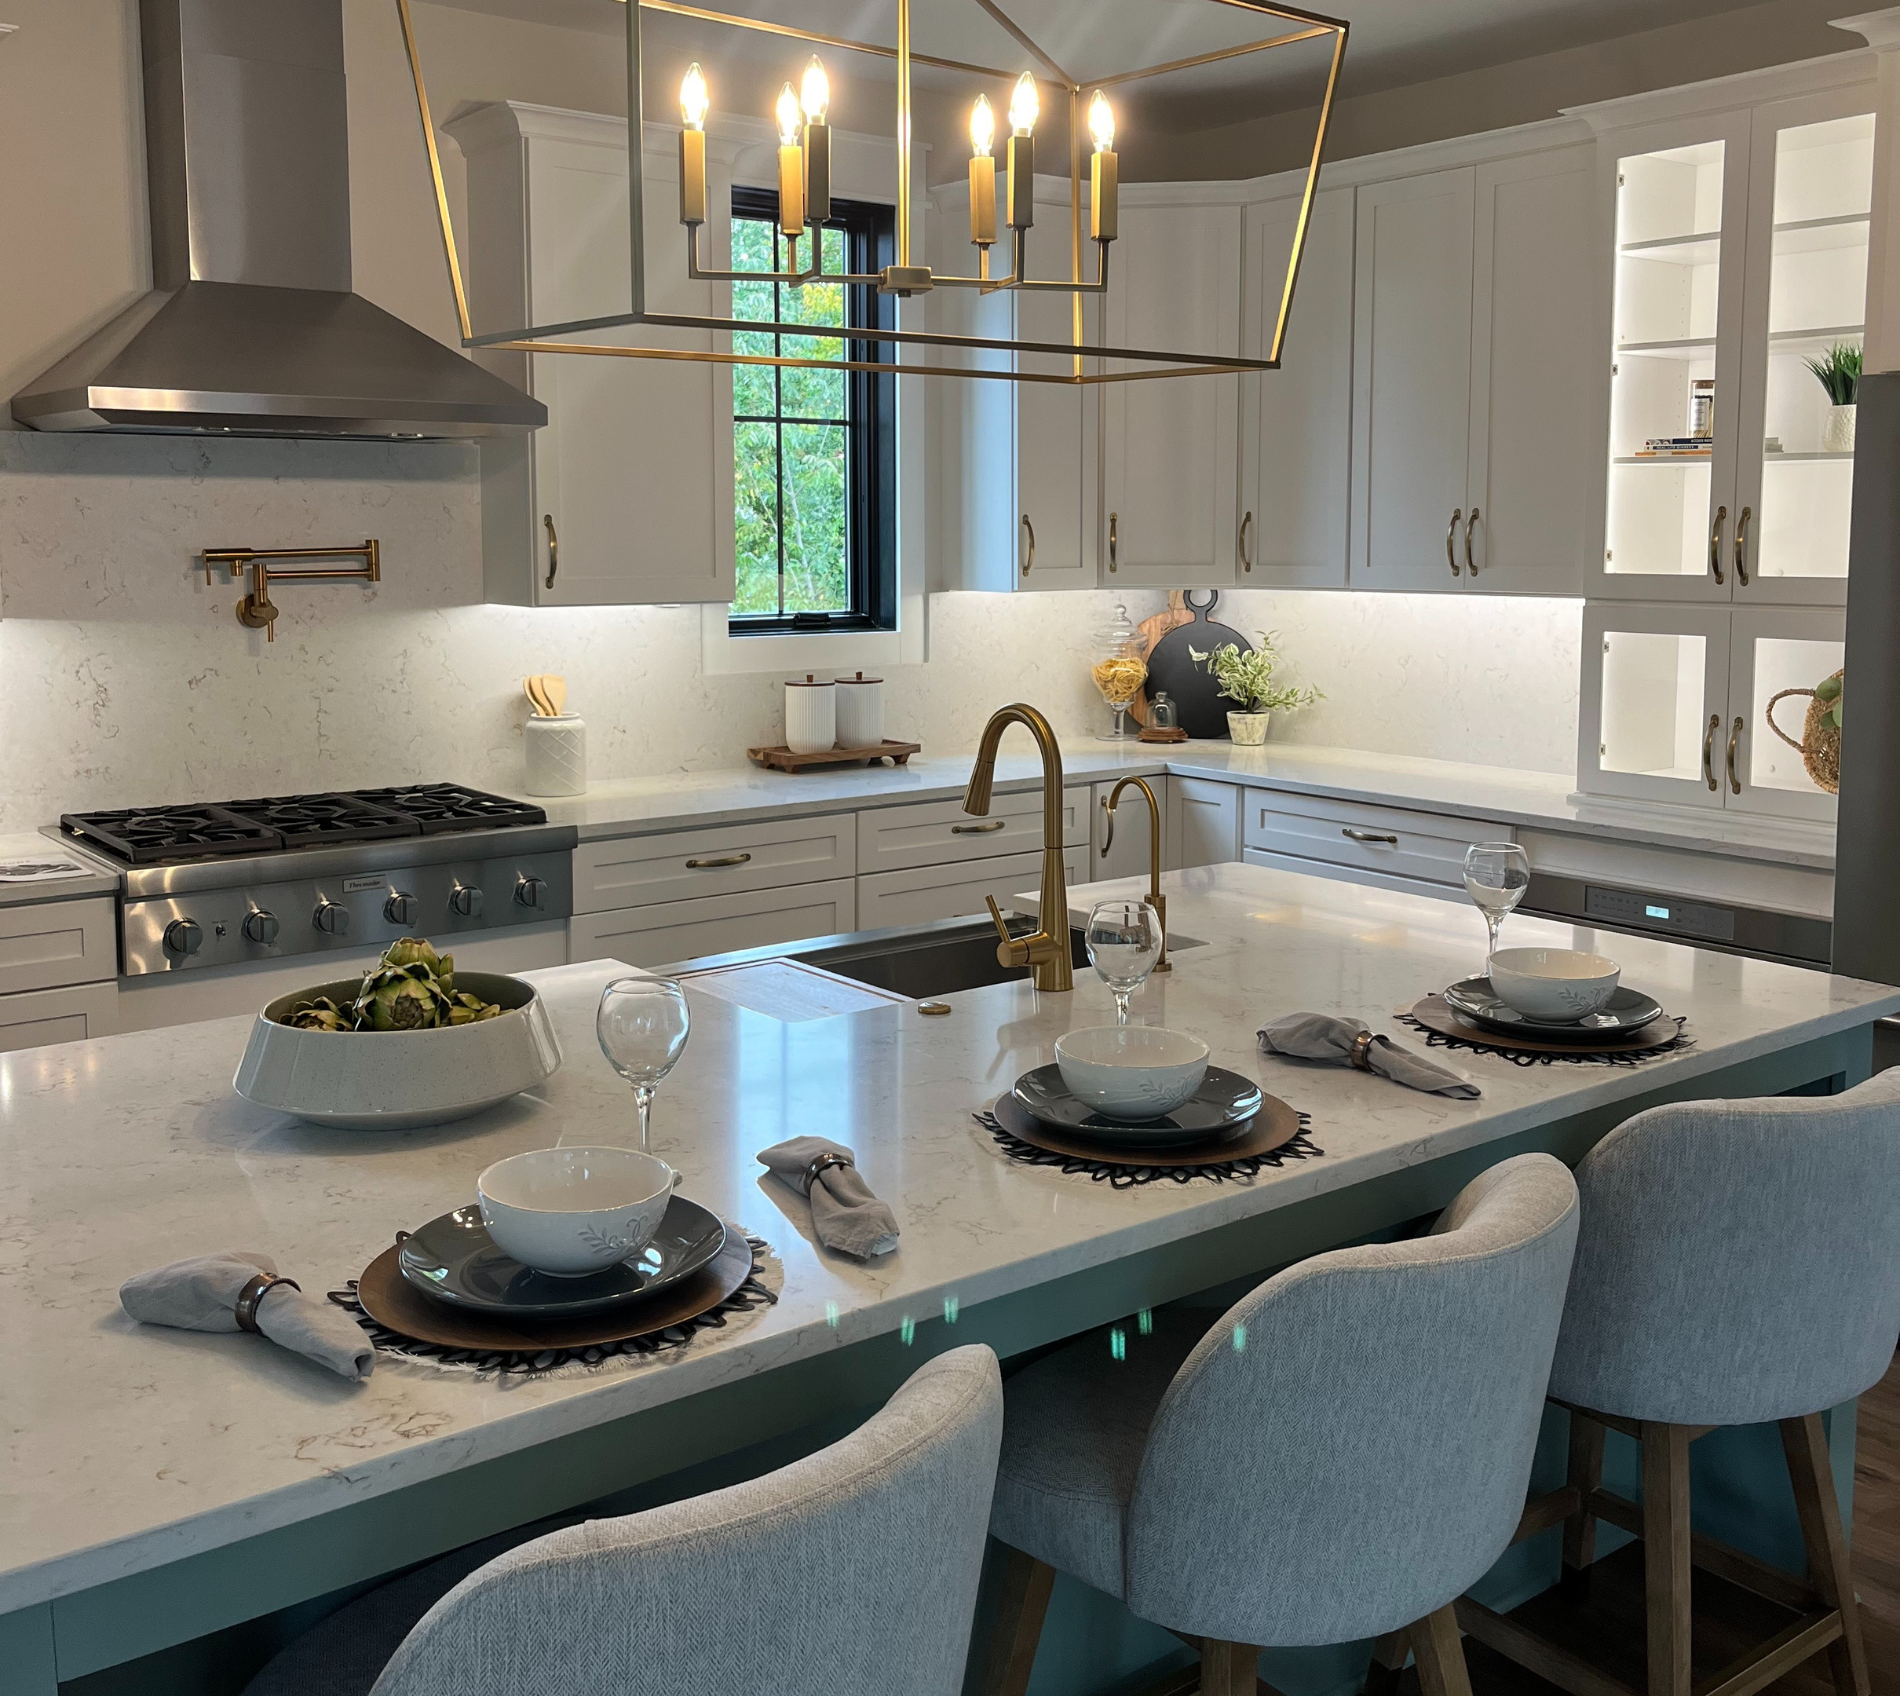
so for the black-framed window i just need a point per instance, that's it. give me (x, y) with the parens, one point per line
(814, 452)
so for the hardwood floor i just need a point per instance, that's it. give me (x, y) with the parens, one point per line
(1605, 1622)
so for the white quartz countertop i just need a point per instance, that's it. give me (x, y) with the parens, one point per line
(681, 800)
(128, 1447)
(21, 847)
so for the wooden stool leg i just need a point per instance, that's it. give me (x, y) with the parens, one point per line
(1586, 1475)
(1440, 1654)
(1227, 1669)
(1388, 1662)
(1805, 1444)
(1021, 1603)
(1666, 1555)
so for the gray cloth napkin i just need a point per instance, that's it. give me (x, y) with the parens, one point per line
(1319, 1036)
(201, 1295)
(844, 1213)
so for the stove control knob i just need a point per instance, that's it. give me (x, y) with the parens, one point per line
(184, 936)
(465, 901)
(400, 909)
(260, 926)
(331, 919)
(531, 892)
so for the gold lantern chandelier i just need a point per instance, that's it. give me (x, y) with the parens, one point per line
(804, 205)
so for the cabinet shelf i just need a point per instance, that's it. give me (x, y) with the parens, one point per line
(1816, 235)
(1669, 458)
(1667, 350)
(1802, 458)
(1702, 249)
(1821, 338)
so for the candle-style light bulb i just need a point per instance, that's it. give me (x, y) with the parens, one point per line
(814, 93)
(1025, 105)
(791, 165)
(982, 127)
(788, 117)
(1104, 174)
(1101, 122)
(695, 100)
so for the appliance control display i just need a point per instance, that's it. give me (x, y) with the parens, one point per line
(1660, 913)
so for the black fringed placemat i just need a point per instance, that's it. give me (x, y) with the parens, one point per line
(1124, 1174)
(1441, 1028)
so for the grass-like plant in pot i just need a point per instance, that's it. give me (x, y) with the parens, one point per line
(1246, 677)
(1839, 374)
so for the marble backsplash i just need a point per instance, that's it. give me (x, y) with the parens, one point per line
(131, 683)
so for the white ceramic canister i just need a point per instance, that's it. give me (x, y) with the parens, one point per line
(554, 751)
(860, 711)
(811, 715)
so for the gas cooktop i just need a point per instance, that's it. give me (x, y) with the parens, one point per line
(163, 836)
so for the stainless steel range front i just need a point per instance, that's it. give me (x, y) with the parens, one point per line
(245, 881)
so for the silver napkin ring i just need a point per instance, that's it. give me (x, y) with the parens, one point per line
(254, 1292)
(823, 1163)
(1361, 1055)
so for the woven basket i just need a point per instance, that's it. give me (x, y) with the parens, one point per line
(1820, 744)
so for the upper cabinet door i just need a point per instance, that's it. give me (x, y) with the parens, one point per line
(1533, 356)
(1296, 422)
(1169, 446)
(1411, 369)
(1810, 198)
(1674, 201)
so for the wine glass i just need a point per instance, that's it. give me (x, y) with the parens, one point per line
(1124, 942)
(1497, 876)
(642, 1026)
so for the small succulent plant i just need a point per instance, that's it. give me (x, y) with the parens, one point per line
(1247, 677)
(1839, 373)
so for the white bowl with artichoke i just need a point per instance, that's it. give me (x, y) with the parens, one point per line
(411, 1042)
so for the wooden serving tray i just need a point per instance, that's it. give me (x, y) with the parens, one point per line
(782, 758)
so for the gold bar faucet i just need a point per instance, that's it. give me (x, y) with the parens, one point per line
(1156, 899)
(1046, 951)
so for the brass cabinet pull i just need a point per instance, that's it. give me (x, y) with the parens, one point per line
(1451, 530)
(1114, 538)
(554, 549)
(718, 861)
(1368, 836)
(1471, 565)
(1246, 559)
(1734, 736)
(1031, 530)
(1715, 543)
(1708, 750)
(979, 829)
(1741, 546)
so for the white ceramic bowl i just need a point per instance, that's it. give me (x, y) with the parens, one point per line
(1557, 985)
(395, 1080)
(1131, 1071)
(575, 1211)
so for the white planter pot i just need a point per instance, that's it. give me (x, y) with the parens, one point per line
(1249, 730)
(1837, 434)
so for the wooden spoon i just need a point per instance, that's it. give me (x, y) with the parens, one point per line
(555, 689)
(533, 686)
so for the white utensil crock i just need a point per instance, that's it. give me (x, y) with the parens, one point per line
(860, 711)
(554, 751)
(811, 716)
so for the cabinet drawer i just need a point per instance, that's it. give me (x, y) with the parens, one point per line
(929, 893)
(1425, 846)
(682, 865)
(58, 1015)
(938, 833)
(47, 943)
(671, 931)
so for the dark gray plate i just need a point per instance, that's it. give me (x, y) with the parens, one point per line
(1629, 1010)
(1224, 1101)
(454, 1260)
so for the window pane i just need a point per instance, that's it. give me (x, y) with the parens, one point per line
(817, 576)
(814, 394)
(755, 518)
(752, 246)
(754, 387)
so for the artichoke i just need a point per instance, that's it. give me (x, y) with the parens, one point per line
(411, 988)
(400, 1003)
(414, 951)
(322, 1014)
(471, 1009)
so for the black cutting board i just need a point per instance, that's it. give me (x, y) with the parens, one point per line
(1190, 685)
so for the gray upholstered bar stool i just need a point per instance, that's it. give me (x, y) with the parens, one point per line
(1338, 1457)
(1739, 1262)
(852, 1572)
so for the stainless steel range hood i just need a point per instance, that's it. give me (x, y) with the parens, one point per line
(252, 327)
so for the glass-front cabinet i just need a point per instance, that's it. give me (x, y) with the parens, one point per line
(1739, 264)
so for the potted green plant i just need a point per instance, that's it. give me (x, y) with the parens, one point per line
(1246, 676)
(1839, 375)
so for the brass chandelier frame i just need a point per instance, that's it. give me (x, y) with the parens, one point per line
(1309, 26)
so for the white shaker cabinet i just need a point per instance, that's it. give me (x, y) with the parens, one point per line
(1203, 823)
(1169, 448)
(625, 497)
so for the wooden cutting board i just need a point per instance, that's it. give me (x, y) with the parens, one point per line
(1154, 629)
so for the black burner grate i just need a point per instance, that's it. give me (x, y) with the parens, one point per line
(309, 821)
(449, 806)
(150, 837)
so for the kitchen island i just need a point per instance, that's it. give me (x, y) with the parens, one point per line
(163, 1485)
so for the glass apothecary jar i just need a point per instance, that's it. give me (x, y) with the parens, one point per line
(1118, 663)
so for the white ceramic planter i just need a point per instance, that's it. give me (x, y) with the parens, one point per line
(554, 753)
(1837, 434)
(811, 716)
(395, 1080)
(1248, 730)
(860, 711)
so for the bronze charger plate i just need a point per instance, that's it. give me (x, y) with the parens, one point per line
(1274, 1125)
(389, 1299)
(1432, 1012)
